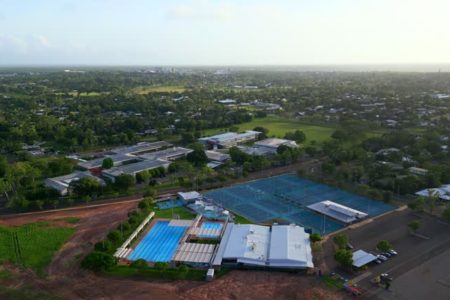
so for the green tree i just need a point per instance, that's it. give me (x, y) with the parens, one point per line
(414, 225)
(238, 156)
(115, 236)
(86, 186)
(107, 163)
(104, 246)
(143, 176)
(384, 245)
(124, 182)
(198, 156)
(341, 240)
(344, 258)
(98, 261)
(264, 132)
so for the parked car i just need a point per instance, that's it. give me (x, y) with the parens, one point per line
(378, 261)
(393, 252)
(382, 257)
(349, 246)
(387, 254)
(386, 277)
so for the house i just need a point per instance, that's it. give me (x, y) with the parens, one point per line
(62, 183)
(442, 192)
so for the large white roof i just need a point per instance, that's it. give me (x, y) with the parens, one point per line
(248, 244)
(290, 246)
(361, 258)
(338, 211)
(284, 246)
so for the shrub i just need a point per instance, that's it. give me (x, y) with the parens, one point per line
(98, 261)
(315, 237)
(139, 264)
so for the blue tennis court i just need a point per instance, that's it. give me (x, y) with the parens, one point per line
(159, 244)
(286, 197)
(171, 203)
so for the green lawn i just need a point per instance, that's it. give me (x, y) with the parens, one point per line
(32, 245)
(158, 89)
(167, 213)
(279, 126)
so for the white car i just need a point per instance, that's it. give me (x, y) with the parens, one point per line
(393, 252)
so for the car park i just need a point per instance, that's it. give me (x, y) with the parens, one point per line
(387, 254)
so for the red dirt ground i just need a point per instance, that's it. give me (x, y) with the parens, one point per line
(66, 280)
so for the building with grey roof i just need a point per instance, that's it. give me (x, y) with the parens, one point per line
(229, 139)
(118, 159)
(279, 246)
(167, 154)
(134, 168)
(141, 148)
(62, 183)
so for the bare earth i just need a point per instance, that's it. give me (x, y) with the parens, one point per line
(66, 280)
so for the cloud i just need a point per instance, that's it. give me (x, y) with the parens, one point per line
(23, 45)
(202, 10)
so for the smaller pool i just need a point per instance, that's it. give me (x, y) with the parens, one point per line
(207, 225)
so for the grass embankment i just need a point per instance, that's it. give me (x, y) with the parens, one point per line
(32, 245)
(147, 272)
(182, 212)
(278, 127)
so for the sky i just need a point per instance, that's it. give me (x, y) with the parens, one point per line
(214, 32)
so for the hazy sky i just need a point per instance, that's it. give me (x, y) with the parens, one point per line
(213, 32)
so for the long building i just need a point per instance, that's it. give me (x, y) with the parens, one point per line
(134, 168)
(141, 148)
(279, 246)
(338, 211)
(62, 183)
(229, 139)
(118, 159)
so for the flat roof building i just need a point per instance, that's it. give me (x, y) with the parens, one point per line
(167, 154)
(229, 139)
(272, 144)
(134, 168)
(118, 159)
(141, 148)
(279, 246)
(338, 211)
(62, 183)
(189, 196)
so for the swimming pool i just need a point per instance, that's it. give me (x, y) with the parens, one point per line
(207, 225)
(286, 197)
(160, 243)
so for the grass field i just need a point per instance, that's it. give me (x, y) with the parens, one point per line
(279, 126)
(167, 213)
(158, 89)
(32, 245)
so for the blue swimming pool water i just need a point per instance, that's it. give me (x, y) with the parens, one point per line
(286, 197)
(159, 244)
(211, 225)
